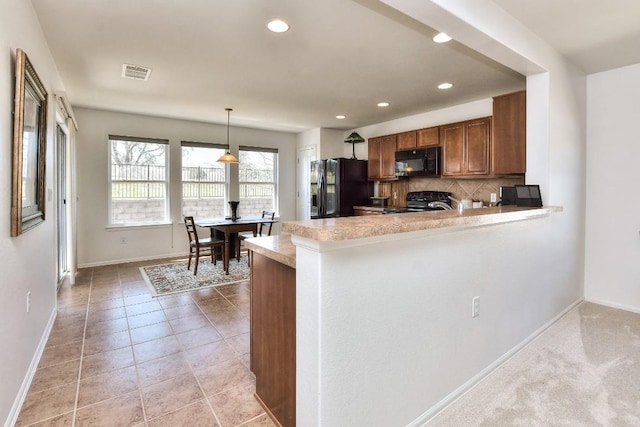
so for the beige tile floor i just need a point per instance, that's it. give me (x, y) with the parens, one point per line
(118, 357)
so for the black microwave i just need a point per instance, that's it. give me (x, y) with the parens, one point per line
(419, 162)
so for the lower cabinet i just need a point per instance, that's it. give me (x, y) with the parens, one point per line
(273, 337)
(367, 210)
(465, 147)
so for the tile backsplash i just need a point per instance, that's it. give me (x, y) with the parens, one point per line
(475, 189)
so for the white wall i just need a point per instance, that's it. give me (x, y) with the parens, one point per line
(99, 245)
(310, 137)
(28, 260)
(613, 202)
(394, 332)
(329, 143)
(550, 254)
(332, 144)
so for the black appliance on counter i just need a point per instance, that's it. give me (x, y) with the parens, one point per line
(419, 162)
(521, 195)
(423, 201)
(337, 185)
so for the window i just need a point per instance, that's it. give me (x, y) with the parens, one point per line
(203, 180)
(138, 181)
(258, 180)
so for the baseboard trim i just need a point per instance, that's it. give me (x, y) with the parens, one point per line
(423, 419)
(267, 410)
(26, 383)
(125, 260)
(613, 305)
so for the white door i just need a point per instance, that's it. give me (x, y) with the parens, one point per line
(303, 202)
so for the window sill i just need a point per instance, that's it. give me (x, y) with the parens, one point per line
(120, 227)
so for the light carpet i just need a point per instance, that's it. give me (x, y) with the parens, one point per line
(583, 371)
(173, 277)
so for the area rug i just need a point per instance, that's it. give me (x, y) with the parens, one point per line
(173, 277)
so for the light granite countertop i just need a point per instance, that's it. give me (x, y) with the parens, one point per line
(359, 227)
(279, 248)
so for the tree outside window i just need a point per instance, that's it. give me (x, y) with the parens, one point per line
(139, 182)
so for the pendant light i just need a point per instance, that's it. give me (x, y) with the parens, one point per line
(228, 157)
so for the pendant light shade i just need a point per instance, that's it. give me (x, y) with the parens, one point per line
(228, 157)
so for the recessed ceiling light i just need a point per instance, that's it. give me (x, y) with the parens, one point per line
(445, 86)
(383, 104)
(441, 38)
(278, 26)
(341, 117)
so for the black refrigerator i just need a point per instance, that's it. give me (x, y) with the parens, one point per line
(337, 185)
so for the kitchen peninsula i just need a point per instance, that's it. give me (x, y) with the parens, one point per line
(383, 328)
(360, 227)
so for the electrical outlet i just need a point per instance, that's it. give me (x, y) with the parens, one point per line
(123, 241)
(475, 307)
(28, 301)
(494, 197)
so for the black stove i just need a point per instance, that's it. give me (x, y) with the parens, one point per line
(418, 201)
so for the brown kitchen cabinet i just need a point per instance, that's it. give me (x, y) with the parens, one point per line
(465, 147)
(418, 139)
(367, 210)
(406, 140)
(428, 137)
(273, 337)
(382, 158)
(509, 134)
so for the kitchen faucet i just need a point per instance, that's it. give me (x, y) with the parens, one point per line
(439, 204)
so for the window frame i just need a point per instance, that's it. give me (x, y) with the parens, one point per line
(166, 181)
(226, 181)
(276, 176)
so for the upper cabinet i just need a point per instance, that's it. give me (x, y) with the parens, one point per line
(418, 139)
(382, 158)
(428, 137)
(508, 145)
(406, 140)
(480, 148)
(465, 147)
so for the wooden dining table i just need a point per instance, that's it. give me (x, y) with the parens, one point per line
(230, 228)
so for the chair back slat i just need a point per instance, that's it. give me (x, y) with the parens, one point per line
(191, 228)
(266, 215)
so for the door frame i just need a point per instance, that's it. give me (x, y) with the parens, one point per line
(304, 156)
(62, 211)
(66, 121)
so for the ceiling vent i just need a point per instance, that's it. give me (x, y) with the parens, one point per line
(135, 72)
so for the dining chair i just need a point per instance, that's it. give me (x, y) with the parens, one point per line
(196, 244)
(260, 233)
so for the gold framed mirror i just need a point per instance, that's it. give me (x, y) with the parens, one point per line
(28, 196)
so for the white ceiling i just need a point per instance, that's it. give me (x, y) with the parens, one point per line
(339, 57)
(597, 35)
